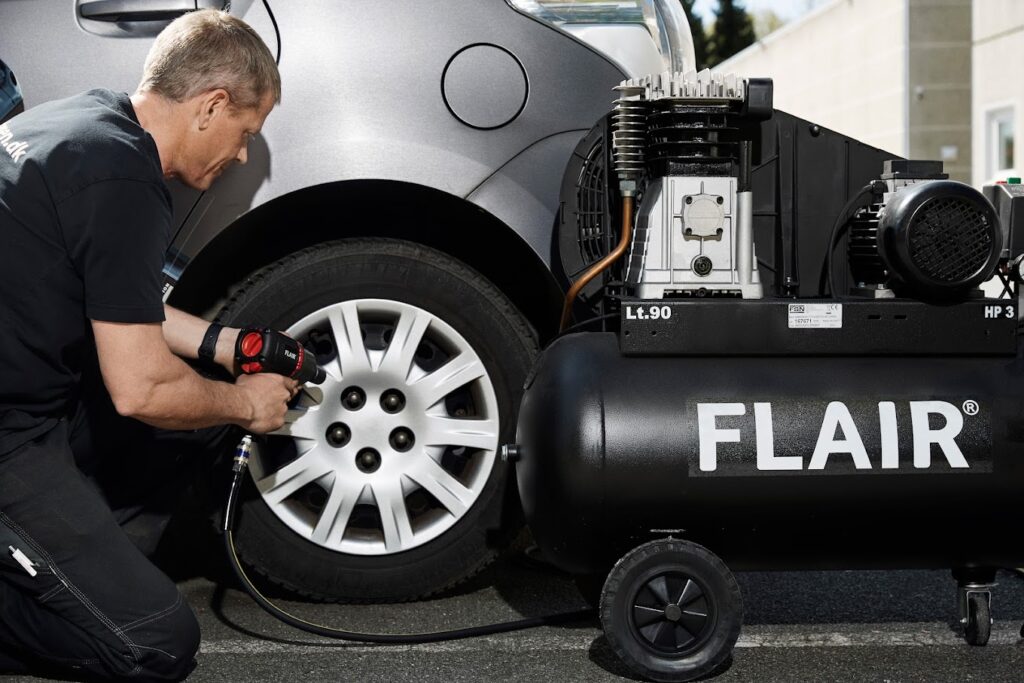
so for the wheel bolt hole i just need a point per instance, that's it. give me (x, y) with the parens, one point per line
(402, 439)
(322, 346)
(353, 398)
(368, 460)
(392, 401)
(424, 353)
(315, 497)
(338, 435)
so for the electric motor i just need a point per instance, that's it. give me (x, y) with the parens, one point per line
(930, 237)
(940, 237)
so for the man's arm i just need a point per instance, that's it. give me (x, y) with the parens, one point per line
(184, 333)
(149, 383)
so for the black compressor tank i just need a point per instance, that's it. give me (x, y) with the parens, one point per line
(774, 463)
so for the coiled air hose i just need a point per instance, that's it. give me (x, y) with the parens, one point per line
(239, 467)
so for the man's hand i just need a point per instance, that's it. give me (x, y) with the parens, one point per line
(268, 396)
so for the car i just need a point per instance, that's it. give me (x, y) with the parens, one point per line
(396, 215)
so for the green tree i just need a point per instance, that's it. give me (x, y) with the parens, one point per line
(700, 36)
(733, 31)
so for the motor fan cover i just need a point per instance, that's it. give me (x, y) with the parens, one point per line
(939, 239)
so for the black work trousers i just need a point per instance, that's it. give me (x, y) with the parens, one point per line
(80, 506)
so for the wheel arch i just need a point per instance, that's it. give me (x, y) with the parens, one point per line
(372, 208)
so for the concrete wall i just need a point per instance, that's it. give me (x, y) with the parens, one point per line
(895, 74)
(940, 84)
(998, 38)
(843, 66)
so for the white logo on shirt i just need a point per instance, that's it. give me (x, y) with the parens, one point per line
(14, 148)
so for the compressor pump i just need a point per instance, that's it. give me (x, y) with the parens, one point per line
(784, 358)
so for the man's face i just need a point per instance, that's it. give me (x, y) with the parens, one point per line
(219, 137)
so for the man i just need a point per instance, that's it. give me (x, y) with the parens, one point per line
(85, 219)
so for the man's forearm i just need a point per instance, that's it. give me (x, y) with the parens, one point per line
(183, 399)
(149, 383)
(184, 333)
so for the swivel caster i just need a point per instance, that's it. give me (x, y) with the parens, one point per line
(671, 610)
(975, 601)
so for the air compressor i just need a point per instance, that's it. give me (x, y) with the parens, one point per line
(784, 359)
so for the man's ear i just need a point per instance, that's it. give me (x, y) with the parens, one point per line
(212, 104)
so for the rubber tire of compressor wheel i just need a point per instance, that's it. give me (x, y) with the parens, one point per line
(979, 621)
(312, 279)
(703, 567)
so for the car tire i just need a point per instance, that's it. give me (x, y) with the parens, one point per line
(369, 280)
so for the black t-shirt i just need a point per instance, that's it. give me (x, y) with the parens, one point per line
(85, 219)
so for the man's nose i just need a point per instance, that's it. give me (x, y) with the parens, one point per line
(243, 154)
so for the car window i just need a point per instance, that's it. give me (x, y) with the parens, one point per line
(643, 36)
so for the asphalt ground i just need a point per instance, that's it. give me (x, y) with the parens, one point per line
(806, 626)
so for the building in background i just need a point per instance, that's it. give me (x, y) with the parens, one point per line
(895, 74)
(998, 102)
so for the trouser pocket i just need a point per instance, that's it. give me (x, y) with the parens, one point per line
(23, 565)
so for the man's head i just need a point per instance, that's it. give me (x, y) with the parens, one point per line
(216, 81)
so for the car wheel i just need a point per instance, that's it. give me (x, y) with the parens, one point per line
(384, 484)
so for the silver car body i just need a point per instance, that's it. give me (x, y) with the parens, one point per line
(469, 98)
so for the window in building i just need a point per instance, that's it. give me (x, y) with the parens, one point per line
(1000, 141)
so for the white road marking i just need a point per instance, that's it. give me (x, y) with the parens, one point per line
(869, 635)
(789, 635)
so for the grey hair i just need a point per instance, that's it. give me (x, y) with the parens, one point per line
(210, 49)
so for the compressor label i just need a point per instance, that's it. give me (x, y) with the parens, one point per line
(840, 437)
(815, 316)
(994, 312)
(648, 312)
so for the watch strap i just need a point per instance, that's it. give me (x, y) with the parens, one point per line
(208, 349)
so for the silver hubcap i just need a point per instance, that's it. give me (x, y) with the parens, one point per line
(396, 446)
